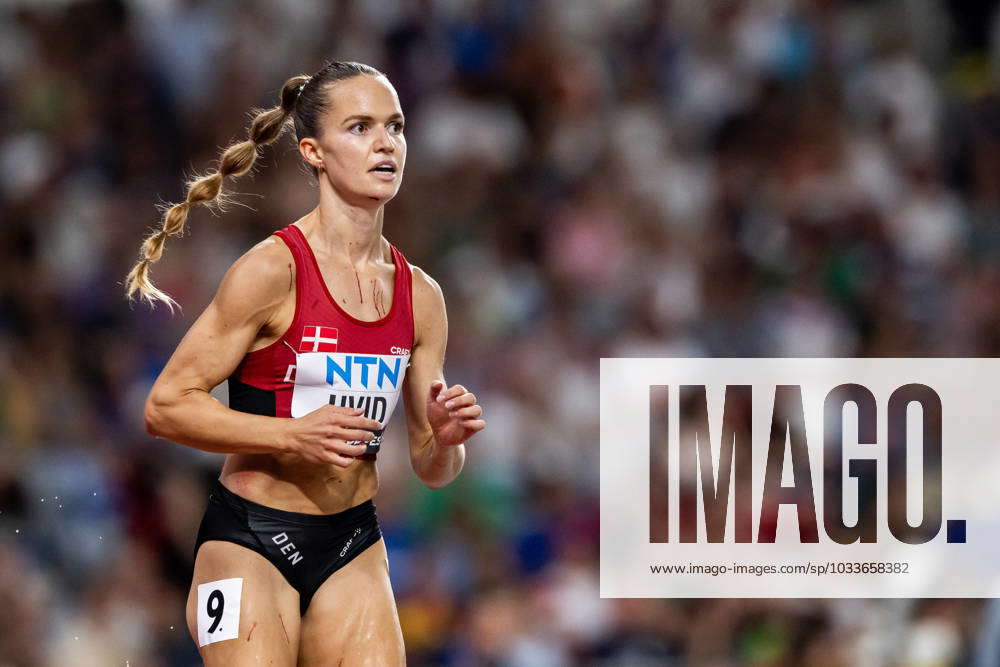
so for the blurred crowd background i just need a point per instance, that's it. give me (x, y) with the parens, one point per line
(585, 179)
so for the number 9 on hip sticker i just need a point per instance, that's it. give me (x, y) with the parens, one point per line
(219, 610)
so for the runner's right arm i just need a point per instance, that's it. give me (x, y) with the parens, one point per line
(180, 406)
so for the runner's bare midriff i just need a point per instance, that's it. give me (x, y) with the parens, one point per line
(288, 482)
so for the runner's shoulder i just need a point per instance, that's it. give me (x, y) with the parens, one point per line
(429, 316)
(424, 287)
(259, 280)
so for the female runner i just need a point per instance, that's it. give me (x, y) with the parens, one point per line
(318, 329)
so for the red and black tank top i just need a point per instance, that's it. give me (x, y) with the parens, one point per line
(326, 356)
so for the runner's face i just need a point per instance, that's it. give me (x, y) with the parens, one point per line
(363, 129)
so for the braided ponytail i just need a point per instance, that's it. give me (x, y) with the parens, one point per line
(236, 160)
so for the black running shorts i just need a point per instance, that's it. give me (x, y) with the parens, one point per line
(306, 548)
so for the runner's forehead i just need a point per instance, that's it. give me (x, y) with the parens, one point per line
(368, 97)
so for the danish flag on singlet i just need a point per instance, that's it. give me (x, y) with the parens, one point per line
(318, 339)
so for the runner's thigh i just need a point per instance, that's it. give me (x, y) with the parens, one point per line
(352, 618)
(268, 610)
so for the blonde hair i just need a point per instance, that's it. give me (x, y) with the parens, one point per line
(236, 160)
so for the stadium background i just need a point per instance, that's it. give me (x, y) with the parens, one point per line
(585, 179)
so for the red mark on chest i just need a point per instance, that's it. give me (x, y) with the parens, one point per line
(378, 297)
(358, 279)
(252, 628)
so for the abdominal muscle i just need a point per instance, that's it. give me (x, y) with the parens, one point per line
(289, 482)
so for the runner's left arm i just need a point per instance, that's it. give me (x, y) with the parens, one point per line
(439, 418)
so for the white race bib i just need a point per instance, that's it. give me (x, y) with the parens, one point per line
(368, 381)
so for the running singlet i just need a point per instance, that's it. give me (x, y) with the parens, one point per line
(327, 356)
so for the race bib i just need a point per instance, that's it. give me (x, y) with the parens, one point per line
(371, 382)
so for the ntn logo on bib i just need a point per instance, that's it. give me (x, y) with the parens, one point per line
(368, 381)
(365, 371)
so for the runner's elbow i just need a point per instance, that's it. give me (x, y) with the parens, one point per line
(152, 416)
(434, 485)
(434, 481)
(154, 411)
